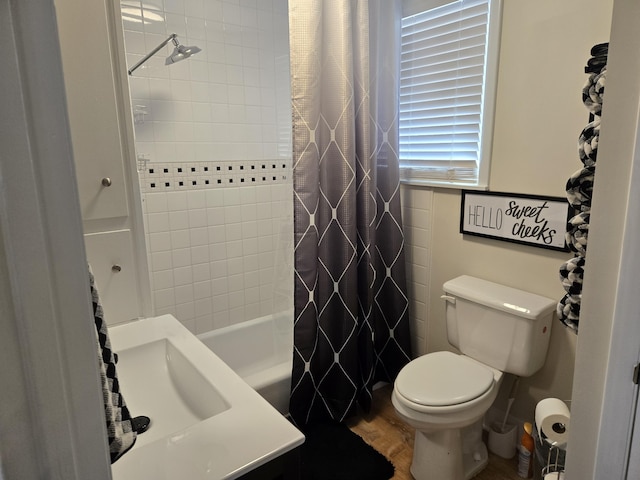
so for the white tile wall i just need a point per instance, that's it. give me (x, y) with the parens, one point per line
(417, 211)
(211, 275)
(229, 102)
(213, 142)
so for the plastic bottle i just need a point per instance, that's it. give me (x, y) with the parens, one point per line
(525, 452)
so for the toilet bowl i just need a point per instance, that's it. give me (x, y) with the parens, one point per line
(444, 397)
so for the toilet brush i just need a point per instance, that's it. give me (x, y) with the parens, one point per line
(512, 397)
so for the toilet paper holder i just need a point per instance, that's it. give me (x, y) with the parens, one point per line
(550, 456)
(553, 470)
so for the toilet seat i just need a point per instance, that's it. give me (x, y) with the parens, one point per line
(443, 379)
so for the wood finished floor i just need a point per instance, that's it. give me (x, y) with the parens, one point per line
(384, 431)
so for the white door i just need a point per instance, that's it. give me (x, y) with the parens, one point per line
(603, 443)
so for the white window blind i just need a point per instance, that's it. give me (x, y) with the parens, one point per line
(444, 106)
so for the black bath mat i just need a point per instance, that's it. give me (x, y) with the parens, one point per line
(333, 452)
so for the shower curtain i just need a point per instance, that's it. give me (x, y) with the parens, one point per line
(351, 309)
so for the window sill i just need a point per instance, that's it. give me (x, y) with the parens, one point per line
(443, 184)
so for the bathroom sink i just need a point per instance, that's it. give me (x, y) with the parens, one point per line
(206, 422)
(181, 396)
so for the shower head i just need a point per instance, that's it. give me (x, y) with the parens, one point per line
(180, 52)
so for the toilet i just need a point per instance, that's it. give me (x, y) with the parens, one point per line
(444, 395)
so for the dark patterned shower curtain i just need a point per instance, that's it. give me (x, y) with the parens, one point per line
(351, 308)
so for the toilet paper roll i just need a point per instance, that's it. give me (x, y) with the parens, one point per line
(552, 420)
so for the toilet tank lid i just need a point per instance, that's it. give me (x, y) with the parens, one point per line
(494, 295)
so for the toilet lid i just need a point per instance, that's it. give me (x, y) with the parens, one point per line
(443, 378)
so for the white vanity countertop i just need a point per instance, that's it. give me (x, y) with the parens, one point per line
(245, 433)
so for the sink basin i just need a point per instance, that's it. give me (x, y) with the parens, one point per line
(206, 422)
(181, 396)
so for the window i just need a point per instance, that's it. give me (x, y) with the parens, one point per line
(447, 91)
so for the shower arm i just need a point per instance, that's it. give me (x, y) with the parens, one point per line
(171, 37)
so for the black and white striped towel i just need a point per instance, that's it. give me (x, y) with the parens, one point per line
(121, 435)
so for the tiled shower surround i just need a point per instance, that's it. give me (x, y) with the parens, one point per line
(163, 177)
(231, 101)
(221, 255)
(213, 144)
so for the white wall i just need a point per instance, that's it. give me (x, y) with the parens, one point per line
(539, 116)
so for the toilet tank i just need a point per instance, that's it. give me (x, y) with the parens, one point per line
(503, 327)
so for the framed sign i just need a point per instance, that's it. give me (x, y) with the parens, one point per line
(535, 220)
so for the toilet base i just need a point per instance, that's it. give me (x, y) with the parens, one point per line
(449, 454)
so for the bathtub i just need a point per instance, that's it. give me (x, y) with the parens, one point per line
(261, 352)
